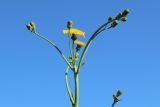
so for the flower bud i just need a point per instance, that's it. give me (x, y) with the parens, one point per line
(119, 15)
(28, 26)
(33, 24)
(69, 24)
(124, 19)
(114, 24)
(78, 48)
(76, 55)
(31, 27)
(79, 45)
(70, 59)
(119, 92)
(73, 37)
(110, 19)
(125, 12)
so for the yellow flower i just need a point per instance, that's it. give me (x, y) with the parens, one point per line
(79, 43)
(74, 31)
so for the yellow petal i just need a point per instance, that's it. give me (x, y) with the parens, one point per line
(65, 31)
(79, 43)
(74, 31)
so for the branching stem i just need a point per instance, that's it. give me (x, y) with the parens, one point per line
(63, 56)
(68, 88)
(99, 30)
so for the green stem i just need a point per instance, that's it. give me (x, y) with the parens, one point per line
(69, 42)
(63, 56)
(70, 48)
(113, 103)
(76, 89)
(73, 49)
(100, 29)
(68, 89)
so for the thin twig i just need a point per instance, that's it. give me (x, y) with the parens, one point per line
(90, 41)
(63, 56)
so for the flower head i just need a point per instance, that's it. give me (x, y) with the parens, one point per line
(79, 45)
(74, 31)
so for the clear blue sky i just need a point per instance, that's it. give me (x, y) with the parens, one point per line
(126, 58)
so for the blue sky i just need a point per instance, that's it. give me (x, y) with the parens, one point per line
(126, 58)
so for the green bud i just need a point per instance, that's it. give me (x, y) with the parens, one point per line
(31, 27)
(70, 59)
(124, 19)
(110, 19)
(119, 92)
(114, 24)
(119, 15)
(33, 24)
(76, 59)
(78, 48)
(73, 37)
(76, 55)
(28, 26)
(69, 24)
(125, 12)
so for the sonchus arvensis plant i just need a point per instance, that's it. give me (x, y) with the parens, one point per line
(74, 61)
